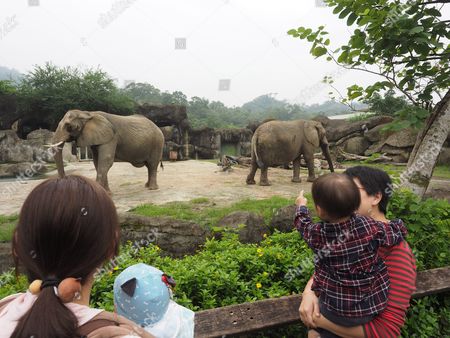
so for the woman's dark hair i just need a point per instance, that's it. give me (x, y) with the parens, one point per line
(336, 194)
(67, 227)
(373, 181)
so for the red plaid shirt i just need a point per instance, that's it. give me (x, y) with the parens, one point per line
(349, 275)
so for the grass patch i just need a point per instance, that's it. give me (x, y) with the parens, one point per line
(7, 225)
(440, 171)
(201, 211)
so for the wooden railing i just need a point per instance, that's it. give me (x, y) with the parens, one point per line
(269, 313)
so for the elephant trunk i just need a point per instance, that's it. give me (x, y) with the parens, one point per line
(326, 153)
(59, 160)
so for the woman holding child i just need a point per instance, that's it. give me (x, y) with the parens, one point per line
(388, 253)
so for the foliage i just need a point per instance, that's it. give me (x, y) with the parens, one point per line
(7, 87)
(404, 42)
(388, 104)
(7, 225)
(214, 114)
(428, 223)
(48, 92)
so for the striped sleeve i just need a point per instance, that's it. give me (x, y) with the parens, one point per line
(401, 268)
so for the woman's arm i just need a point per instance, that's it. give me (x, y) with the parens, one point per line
(309, 307)
(310, 316)
(343, 331)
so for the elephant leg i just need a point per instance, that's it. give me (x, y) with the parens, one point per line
(95, 156)
(105, 161)
(264, 181)
(152, 172)
(309, 159)
(296, 174)
(251, 175)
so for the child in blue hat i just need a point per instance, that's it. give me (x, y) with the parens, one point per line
(142, 293)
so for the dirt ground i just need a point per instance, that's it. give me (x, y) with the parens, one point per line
(179, 181)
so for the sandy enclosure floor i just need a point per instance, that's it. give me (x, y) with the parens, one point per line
(179, 181)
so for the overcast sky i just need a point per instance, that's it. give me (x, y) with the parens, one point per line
(243, 41)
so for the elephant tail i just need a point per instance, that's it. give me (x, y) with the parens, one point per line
(162, 165)
(255, 147)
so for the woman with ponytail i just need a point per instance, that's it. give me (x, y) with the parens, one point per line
(68, 228)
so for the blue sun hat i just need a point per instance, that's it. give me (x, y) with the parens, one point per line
(142, 293)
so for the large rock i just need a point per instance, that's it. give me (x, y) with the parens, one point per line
(356, 145)
(13, 149)
(248, 225)
(283, 220)
(374, 148)
(24, 170)
(444, 156)
(175, 237)
(376, 135)
(40, 137)
(402, 138)
(337, 129)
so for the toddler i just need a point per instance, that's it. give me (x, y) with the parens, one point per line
(351, 280)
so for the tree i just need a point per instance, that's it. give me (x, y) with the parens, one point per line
(405, 43)
(48, 92)
(387, 105)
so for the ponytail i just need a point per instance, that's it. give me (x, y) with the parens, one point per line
(48, 317)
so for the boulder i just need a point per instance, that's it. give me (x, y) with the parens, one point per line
(356, 145)
(175, 237)
(337, 129)
(376, 135)
(40, 137)
(23, 170)
(444, 156)
(402, 138)
(250, 226)
(390, 150)
(283, 219)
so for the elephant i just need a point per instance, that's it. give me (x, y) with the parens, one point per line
(134, 139)
(280, 142)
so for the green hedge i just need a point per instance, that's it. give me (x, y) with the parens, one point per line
(227, 272)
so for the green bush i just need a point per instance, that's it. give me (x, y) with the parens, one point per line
(428, 223)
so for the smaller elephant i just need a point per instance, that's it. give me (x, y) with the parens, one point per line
(134, 139)
(280, 142)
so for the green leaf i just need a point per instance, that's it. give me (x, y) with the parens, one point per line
(319, 51)
(351, 19)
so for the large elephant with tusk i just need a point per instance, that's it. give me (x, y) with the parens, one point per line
(134, 139)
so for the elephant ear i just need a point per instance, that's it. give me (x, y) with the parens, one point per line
(97, 130)
(311, 133)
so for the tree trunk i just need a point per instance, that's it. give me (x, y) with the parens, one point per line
(421, 164)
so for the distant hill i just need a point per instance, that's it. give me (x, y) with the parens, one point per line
(10, 74)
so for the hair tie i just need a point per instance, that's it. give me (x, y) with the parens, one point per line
(67, 290)
(50, 282)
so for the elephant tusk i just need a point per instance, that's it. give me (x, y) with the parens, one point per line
(54, 145)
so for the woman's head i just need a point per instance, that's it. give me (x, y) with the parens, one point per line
(375, 188)
(67, 227)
